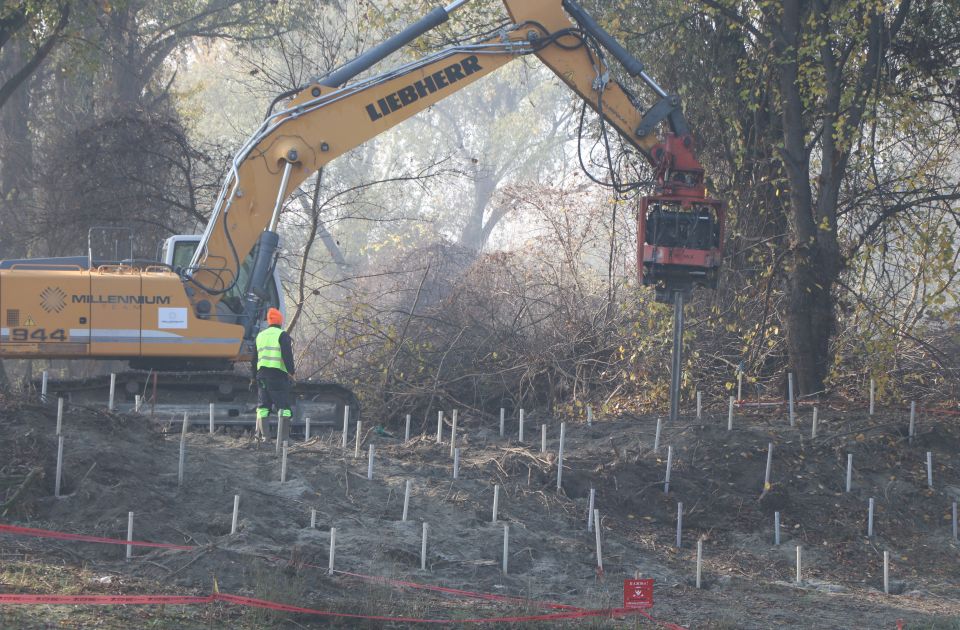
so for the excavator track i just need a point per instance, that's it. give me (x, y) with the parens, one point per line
(172, 394)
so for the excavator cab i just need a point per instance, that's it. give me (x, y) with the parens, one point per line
(680, 243)
(178, 251)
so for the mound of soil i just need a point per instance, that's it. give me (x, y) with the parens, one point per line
(114, 464)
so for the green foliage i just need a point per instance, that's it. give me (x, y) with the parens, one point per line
(868, 190)
(831, 136)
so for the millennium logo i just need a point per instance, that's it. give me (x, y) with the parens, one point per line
(53, 299)
(120, 299)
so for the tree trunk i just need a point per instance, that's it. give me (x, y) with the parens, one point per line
(126, 61)
(16, 163)
(476, 231)
(810, 319)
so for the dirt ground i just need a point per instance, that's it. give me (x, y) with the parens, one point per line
(115, 464)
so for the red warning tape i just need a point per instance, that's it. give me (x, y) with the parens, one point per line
(579, 614)
(568, 612)
(44, 533)
(455, 591)
(250, 602)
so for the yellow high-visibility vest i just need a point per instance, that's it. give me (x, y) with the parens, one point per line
(268, 349)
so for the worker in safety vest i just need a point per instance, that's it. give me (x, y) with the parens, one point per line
(273, 371)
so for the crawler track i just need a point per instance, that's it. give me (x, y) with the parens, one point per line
(169, 393)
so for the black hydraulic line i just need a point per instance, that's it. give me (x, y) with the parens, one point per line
(280, 97)
(615, 48)
(188, 276)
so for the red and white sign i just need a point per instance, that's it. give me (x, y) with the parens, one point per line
(638, 593)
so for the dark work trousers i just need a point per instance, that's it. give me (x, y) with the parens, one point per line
(274, 393)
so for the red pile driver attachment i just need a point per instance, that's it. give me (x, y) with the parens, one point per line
(680, 232)
(680, 243)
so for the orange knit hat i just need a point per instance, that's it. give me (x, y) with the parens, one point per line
(274, 317)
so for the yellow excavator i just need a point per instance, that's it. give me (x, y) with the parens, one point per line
(201, 305)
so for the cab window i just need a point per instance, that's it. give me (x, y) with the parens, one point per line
(182, 255)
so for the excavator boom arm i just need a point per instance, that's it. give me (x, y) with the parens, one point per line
(326, 119)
